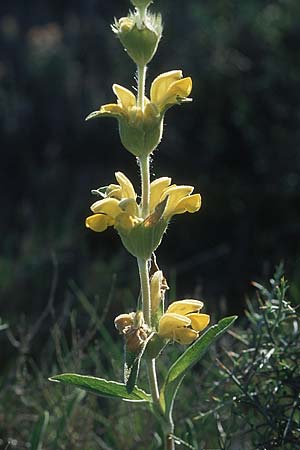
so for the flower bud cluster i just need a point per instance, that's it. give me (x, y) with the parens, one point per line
(139, 35)
(132, 326)
(182, 323)
(119, 208)
(141, 128)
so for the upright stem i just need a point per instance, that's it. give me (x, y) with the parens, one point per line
(169, 444)
(144, 161)
(145, 180)
(141, 74)
(145, 289)
(143, 264)
(146, 300)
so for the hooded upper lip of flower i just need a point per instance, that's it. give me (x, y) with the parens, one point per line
(182, 321)
(167, 89)
(120, 209)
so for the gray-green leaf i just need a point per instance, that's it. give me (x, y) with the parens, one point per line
(187, 360)
(104, 388)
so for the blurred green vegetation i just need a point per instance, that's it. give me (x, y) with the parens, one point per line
(238, 143)
(246, 390)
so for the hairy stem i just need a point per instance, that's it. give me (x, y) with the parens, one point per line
(169, 433)
(169, 444)
(145, 289)
(146, 301)
(145, 181)
(141, 75)
(143, 265)
(153, 381)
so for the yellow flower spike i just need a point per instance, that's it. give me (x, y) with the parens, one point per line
(185, 306)
(126, 98)
(199, 321)
(109, 206)
(157, 187)
(169, 322)
(126, 185)
(161, 84)
(185, 336)
(98, 222)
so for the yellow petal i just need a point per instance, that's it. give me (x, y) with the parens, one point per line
(129, 206)
(126, 98)
(161, 84)
(125, 222)
(98, 222)
(181, 88)
(151, 113)
(199, 321)
(157, 187)
(190, 204)
(111, 109)
(185, 306)
(114, 191)
(185, 336)
(109, 206)
(169, 322)
(175, 193)
(155, 289)
(126, 185)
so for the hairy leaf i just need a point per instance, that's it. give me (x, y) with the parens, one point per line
(101, 387)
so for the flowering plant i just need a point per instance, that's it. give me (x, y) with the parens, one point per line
(141, 225)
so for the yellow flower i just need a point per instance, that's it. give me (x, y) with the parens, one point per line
(141, 128)
(119, 208)
(182, 321)
(178, 198)
(170, 88)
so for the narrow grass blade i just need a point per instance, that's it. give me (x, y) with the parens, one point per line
(39, 431)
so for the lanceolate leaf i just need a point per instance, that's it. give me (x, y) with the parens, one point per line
(103, 388)
(187, 360)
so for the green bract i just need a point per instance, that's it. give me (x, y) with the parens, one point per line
(141, 3)
(140, 37)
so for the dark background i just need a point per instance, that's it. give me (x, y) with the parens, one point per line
(238, 143)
